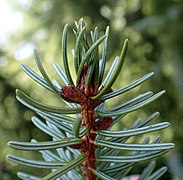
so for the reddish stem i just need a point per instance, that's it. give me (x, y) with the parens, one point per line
(81, 95)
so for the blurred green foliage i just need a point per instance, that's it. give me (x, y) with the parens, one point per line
(155, 31)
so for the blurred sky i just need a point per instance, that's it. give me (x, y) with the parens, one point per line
(10, 21)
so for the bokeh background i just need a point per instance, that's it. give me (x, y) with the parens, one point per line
(155, 32)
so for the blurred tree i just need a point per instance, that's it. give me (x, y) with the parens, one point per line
(155, 31)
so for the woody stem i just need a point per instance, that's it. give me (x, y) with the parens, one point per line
(88, 147)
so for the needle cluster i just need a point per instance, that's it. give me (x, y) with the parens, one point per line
(84, 145)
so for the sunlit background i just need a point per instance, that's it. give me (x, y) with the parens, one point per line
(155, 32)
